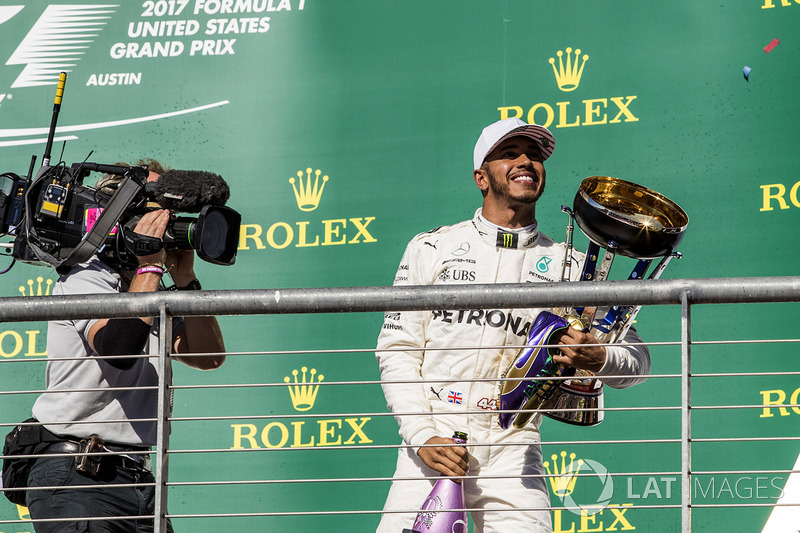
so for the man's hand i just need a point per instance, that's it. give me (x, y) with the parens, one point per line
(201, 334)
(591, 358)
(447, 460)
(153, 224)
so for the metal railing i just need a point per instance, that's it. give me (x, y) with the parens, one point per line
(684, 293)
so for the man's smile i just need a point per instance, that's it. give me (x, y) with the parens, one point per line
(525, 177)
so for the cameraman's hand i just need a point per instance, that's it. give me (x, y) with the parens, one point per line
(153, 224)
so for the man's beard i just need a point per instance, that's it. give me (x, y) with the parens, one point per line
(501, 189)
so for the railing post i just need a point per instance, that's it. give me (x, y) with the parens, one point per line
(164, 413)
(686, 420)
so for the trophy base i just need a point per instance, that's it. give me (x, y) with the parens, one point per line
(581, 399)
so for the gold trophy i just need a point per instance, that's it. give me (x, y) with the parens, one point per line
(622, 218)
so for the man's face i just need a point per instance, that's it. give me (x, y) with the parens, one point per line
(514, 172)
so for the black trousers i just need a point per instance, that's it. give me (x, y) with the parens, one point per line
(73, 504)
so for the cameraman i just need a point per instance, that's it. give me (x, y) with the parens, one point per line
(107, 404)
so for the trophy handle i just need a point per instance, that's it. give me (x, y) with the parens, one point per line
(634, 310)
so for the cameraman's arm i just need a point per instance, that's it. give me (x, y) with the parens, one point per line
(128, 336)
(202, 334)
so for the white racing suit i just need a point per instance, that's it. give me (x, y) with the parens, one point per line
(474, 251)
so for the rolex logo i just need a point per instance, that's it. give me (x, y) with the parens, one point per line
(303, 393)
(563, 481)
(38, 290)
(306, 193)
(568, 78)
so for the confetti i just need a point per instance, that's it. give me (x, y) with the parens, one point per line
(746, 71)
(770, 46)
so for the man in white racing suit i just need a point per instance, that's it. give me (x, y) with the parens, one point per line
(501, 244)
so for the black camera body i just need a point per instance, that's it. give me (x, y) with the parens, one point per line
(57, 220)
(61, 213)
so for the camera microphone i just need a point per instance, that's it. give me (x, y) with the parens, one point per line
(188, 191)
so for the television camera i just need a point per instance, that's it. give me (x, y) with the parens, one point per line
(55, 219)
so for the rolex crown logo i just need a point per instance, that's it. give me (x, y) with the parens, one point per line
(306, 193)
(563, 482)
(303, 393)
(569, 77)
(38, 290)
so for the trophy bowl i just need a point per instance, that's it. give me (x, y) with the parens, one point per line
(640, 222)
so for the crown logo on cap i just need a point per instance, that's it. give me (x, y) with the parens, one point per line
(303, 393)
(563, 483)
(307, 194)
(568, 78)
(38, 291)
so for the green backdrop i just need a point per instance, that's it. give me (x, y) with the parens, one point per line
(386, 99)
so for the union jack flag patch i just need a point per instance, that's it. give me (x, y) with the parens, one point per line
(455, 397)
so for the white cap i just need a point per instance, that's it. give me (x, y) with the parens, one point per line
(494, 134)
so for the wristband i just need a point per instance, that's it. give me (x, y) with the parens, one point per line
(153, 269)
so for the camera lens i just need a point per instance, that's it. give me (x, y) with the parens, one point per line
(215, 234)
